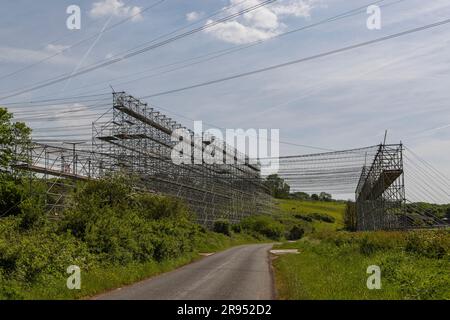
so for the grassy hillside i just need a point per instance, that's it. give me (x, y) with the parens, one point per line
(332, 264)
(334, 209)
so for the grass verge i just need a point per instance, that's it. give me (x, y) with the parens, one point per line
(334, 266)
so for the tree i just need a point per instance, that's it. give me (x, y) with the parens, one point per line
(13, 137)
(300, 196)
(277, 187)
(323, 196)
(14, 140)
(314, 197)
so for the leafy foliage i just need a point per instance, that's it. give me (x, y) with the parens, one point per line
(277, 187)
(222, 226)
(295, 233)
(323, 196)
(11, 194)
(107, 225)
(300, 196)
(322, 217)
(263, 226)
(14, 138)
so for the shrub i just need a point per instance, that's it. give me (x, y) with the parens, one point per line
(134, 227)
(295, 233)
(322, 217)
(428, 244)
(367, 247)
(303, 217)
(263, 225)
(236, 228)
(31, 255)
(11, 194)
(160, 207)
(33, 212)
(222, 226)
(114, 191)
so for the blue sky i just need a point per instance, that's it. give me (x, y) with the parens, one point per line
(337, 102)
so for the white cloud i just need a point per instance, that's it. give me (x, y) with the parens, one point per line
(115, 8)
(55, 48)
(260, 24)
(194, 16)
(296, 8)
(20, 55)
(235, 32)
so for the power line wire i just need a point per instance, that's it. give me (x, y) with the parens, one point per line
(293, 62)
(224, 52)
(93, 36)
(93, 67)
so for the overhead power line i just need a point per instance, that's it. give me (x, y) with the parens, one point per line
(178, 29)
(91, 68)
(77, 98)
(297, 61)
(93, 36)
(213, 55)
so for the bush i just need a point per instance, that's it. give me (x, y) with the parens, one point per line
(303, 217)
(428, 244)
(295, 233)
(129, 226)
(263, 225)
(33, 212)
(11, 194)
(29, 256)
(431, 244)
(322, 217)
(222, 226)
(236, 228)
(367, 247)
(160, 207)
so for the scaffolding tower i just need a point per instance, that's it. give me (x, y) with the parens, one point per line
(380, 193)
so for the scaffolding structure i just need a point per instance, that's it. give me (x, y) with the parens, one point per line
(380, 193)
(59, 167)
(138, 140)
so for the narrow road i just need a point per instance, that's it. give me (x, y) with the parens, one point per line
(241, 272)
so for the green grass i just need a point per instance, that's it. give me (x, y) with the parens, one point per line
(319, 272)
(334, 267)
(334, 209)
(332, 263)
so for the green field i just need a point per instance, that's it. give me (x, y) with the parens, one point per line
(334, 209)
(332, 264)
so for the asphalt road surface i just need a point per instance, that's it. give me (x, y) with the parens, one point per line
(241, 272)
